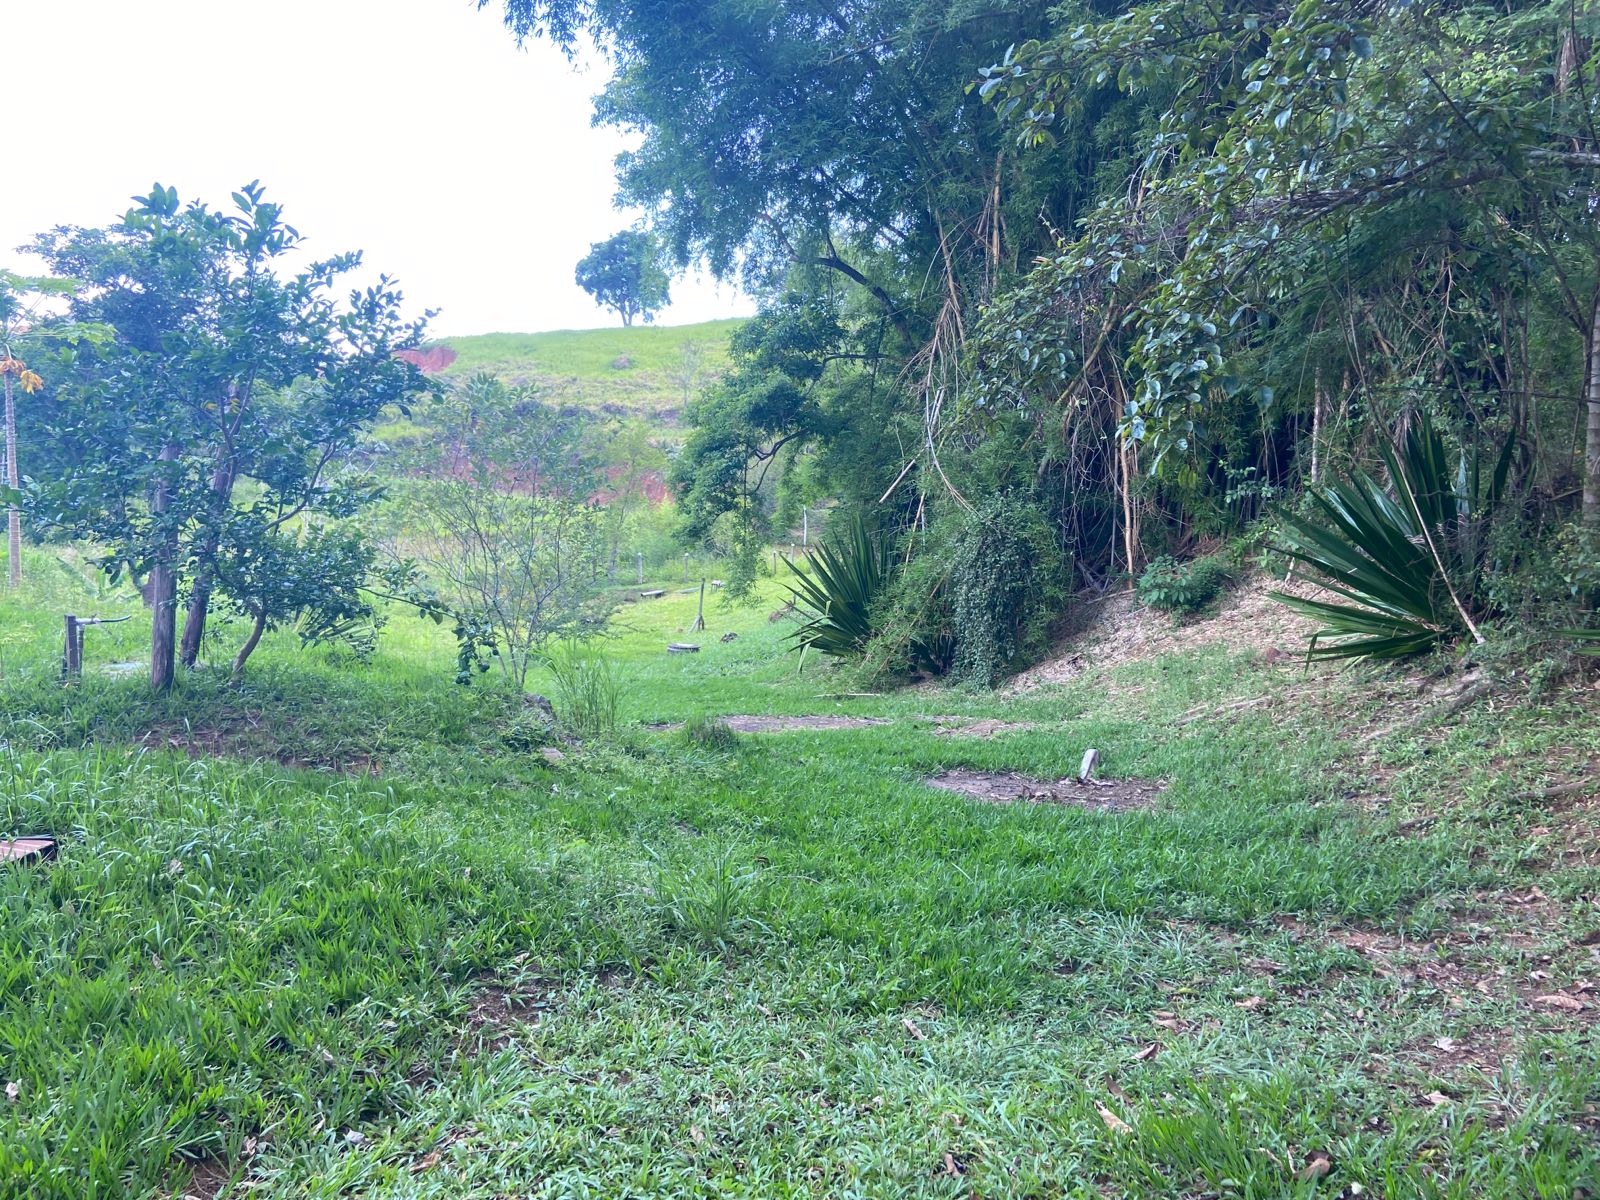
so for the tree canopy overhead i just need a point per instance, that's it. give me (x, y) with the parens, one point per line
(1144, 267)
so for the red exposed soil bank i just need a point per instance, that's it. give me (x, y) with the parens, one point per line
(430, 360)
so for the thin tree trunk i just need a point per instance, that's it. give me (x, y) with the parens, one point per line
(13, 517)
(194, 621)
(1317, 403)
(163, 592)
(1591, 443)
(250, 643)
(1130, 519)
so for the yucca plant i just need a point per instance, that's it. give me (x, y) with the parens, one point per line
(1409, 555)
(837, 588)
(1590, 639)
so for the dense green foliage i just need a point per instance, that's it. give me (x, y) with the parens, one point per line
(1005, 586)
(1184, 587)
(1158, 266)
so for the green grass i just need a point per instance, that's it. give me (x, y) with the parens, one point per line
(773, 965)
(634, 370)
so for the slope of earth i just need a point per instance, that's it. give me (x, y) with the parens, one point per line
(1345, 943)
(649, 371)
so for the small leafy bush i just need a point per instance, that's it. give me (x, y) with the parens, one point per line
(837, 590)
(913, 632)
(1184, 587)
(588, 688)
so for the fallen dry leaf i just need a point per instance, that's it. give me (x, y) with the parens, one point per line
(1166, 1020)
(1113, 1122)
(1149, 1052)
(697, 1134)
(426, 1163)
(1316, 1167)
(1250, 1002)
(13, 1090)
(952, 1167)
(1437, 1098)
(1558, 1000)
(1447, 1044)
(911, 1028)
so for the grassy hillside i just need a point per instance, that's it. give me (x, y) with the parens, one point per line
(648, 370)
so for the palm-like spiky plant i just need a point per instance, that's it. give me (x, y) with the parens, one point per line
(1409, 555)
(837, 590)
(1590, 639)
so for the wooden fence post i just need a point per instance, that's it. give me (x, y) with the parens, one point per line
(74, 648)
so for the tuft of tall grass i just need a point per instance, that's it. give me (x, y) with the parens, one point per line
(588, 688)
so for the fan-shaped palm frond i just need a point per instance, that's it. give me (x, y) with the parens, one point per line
(837, 589)
(1408, 555)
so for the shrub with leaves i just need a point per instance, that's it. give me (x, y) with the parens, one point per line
(1409, 555)
(913, 630)
(1184, 587)
(1006, 582)
(710, 734)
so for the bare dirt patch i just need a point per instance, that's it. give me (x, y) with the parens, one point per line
(1119, 630)
(1008, 787)
(752, 724)
(1515, 948)
(495, 1010)
(207, 1179)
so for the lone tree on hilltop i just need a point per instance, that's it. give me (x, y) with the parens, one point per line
(625, 274)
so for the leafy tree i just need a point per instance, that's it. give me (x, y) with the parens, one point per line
(503, 524)
(20, 298)
(624, 274)
(316, 579)
(224, 407)
(632, 462)
(1401, 191)
(507, 436)
(518, 572)
(770, 400)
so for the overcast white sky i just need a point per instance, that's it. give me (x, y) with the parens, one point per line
(413, 130)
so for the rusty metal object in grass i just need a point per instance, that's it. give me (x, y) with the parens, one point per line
(27, 851)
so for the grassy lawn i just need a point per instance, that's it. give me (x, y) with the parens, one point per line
(636, 370)
(346, 931)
